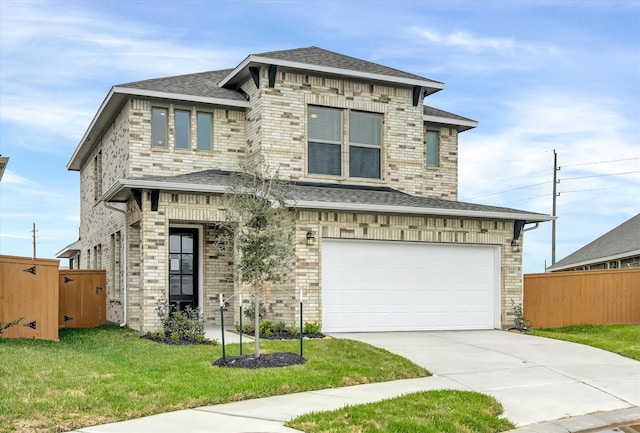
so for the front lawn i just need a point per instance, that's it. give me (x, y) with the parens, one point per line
(620, 339)
(445, 411)
(95, 376)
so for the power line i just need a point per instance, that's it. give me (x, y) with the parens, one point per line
(598, 189)
(599, 175)
(599, 162)
(509, 190)
(524, 199)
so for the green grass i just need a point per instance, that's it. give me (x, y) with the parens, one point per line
(620, 339)
(445, 411)
(95, 376)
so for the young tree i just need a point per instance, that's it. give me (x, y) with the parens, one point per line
(262, 229)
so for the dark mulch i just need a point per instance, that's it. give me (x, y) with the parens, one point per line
(285, 335)
(267, 360)
(166, 339)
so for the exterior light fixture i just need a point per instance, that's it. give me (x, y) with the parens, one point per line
(311, 239)
(515, 246)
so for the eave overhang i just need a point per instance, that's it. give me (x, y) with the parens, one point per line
(69, 251)
(121, 191)
(241, 73)
(112, 105)
(460, 124)
(466, 213)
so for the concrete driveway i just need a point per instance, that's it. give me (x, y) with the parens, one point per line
(536, 379)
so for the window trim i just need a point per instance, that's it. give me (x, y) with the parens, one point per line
(426, 147)
(366, 145)
(175, 128)
(197, 120)
(166, 127)
(346, 144)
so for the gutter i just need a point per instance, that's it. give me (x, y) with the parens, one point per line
(125, 261)
(529, 217)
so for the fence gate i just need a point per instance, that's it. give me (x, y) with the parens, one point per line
(83, 299)
(29, 290)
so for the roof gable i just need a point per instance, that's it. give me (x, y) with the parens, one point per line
(331, 63)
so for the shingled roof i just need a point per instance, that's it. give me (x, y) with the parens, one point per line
(309, 195)
(321, 57)
(220, 88)
(199, 84)
(329, 62)
(622, 241)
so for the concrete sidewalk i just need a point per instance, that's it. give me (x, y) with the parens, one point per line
(545, 386)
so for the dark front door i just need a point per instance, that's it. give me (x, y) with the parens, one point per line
(183, 267)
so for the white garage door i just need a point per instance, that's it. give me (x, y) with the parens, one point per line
(405, 286)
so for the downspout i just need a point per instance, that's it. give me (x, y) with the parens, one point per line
(125, 263)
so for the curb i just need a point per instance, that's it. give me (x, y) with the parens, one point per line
(584, 423)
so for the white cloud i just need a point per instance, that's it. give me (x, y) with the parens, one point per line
(470, 42)
(10, 178)
(56, 90)
(515, 160)
(464, 40)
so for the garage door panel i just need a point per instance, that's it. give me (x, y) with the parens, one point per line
(377, 286)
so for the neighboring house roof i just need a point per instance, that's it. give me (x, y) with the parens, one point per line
(623, 241)
(219, 88)
(309, 195)
(318, 59)
(4, 160)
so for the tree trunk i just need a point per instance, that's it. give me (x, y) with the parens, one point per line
(256, 323)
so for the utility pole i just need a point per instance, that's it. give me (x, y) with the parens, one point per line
(34, 240)
(553, 212)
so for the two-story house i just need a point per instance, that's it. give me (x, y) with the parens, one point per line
(381, 241)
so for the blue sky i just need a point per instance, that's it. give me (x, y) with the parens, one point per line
(537, 75)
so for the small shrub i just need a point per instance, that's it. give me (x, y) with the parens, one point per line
(265, 327)
(188, 323)
(200, 338)
(248, 329)
(311, 328)
(279, 327)
(4, 326)
(175, 337)
(519, 321)
(294, 330)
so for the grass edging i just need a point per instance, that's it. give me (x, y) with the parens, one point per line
(441, 411)
(621, 339)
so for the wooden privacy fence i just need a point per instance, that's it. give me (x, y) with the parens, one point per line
(602, 297)
(29, 289)
(83, 301)
(48, 298)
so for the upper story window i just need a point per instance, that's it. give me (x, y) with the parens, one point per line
(326, 144)
(432, 141)
(182, 119)
(181, 129)
(97, 176)
(159, 127)
(365, 141)
(325, 141)
(205, 128)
